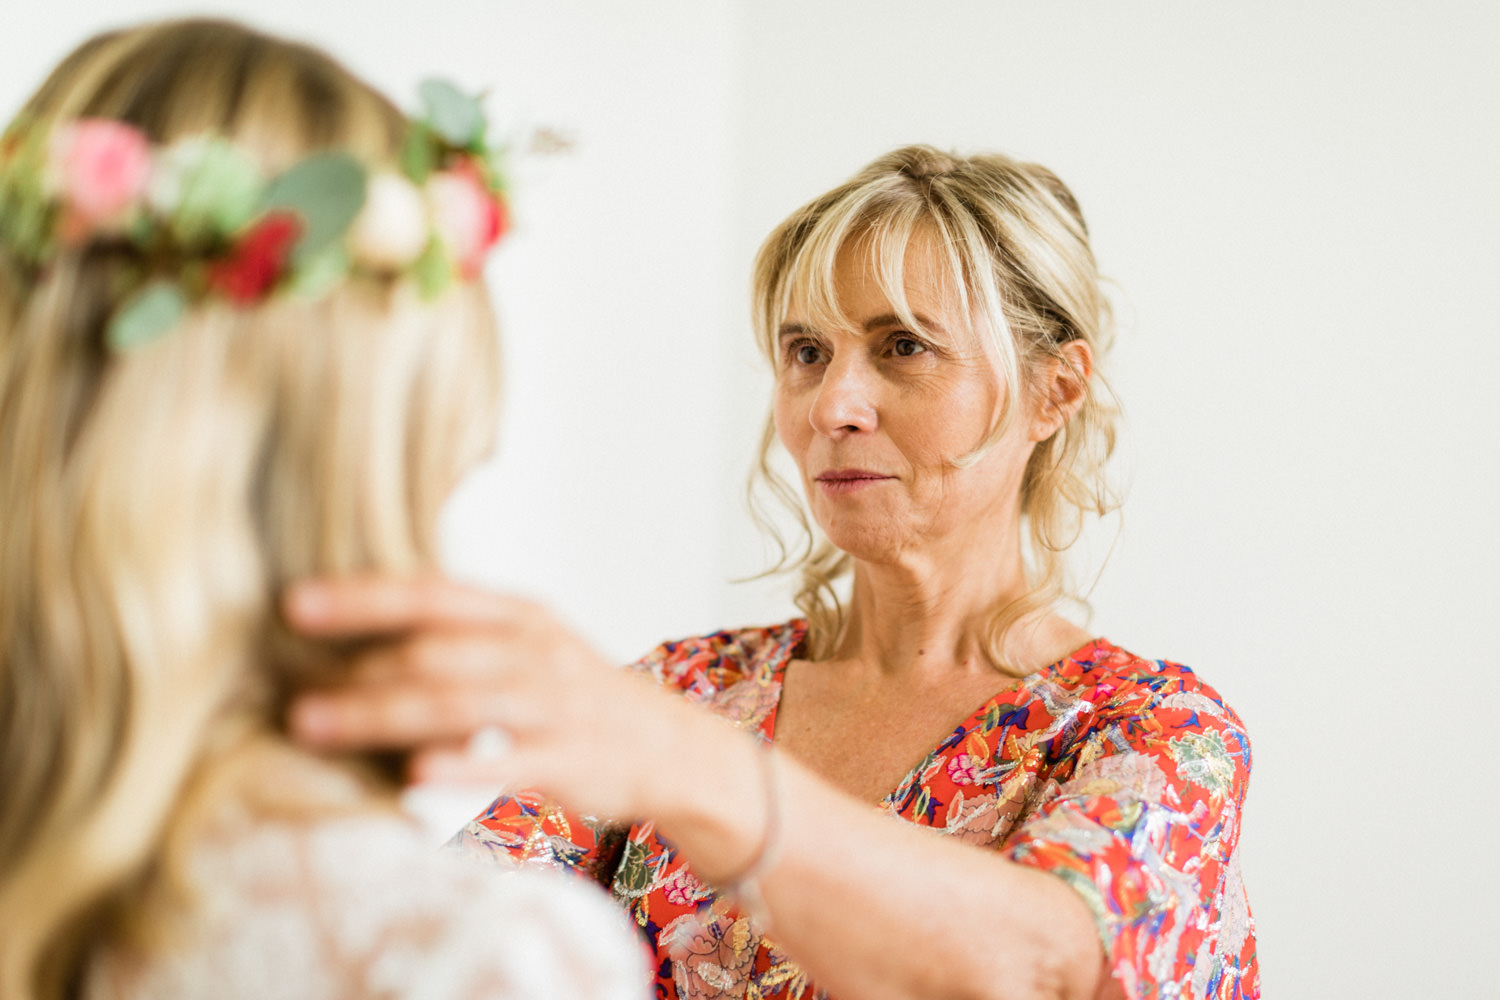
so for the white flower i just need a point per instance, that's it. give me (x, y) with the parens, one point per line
(205, 187)
(391, 230)
(169, 173)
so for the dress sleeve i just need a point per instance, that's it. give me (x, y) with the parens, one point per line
(529, 829)
(1146, 830)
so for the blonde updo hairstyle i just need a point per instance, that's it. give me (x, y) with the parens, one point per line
(1013, 243)
(154, 503)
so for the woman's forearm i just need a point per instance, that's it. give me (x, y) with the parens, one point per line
(870, 907)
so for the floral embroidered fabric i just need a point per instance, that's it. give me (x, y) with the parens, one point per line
(1122, 776)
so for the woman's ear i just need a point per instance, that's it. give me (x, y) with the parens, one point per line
(1063, 387)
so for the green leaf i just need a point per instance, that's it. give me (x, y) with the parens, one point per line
(145, 316)
(457, 118)
(326, 191)
(31, 229)
(27, 216)
(209, 189)
(418, 159)
(321, 272)
(433, 271)
(497, 175)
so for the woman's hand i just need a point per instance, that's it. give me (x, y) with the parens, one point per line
(481, 688)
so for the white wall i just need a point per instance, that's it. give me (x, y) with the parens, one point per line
(1298, 202)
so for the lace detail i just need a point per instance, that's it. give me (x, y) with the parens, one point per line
(362, 907)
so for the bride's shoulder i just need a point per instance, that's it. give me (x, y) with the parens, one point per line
(363, 903)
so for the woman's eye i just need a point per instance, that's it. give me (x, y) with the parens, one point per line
(807, 354)
(905, 347)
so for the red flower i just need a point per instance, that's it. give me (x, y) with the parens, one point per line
(253, 265)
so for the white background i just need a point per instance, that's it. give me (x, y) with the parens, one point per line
(1298, 203)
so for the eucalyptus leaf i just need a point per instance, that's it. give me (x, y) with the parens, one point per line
(26, 218)
(145, 316)
(321, 272)
(495, 162)
(452, 115)
(33, 221)
(418, 158)
(433, 271)
(326, 191)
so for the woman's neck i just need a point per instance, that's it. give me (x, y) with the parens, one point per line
(933, 617)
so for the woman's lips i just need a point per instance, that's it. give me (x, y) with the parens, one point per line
(849, 480)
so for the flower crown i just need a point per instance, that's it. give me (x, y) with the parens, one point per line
(202, 222)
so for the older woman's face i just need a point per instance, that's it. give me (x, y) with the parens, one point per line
(875, 413)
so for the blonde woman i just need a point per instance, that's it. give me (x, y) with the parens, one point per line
(241, 341)
(941, 787)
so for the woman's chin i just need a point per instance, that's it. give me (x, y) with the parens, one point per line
(867, 543)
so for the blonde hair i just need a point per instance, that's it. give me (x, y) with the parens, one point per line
(1013, 242)
(153, 504)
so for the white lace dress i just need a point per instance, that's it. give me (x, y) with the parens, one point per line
(363, 907)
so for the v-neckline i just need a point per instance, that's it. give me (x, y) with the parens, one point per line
(767, 728)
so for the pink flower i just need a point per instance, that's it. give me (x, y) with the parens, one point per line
(101, 168)
(963, 769)
(468, 217)
(683, 889)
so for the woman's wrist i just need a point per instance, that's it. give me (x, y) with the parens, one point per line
(745, 886)
(722, 807)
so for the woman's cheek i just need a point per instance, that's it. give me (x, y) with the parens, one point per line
(790, 420)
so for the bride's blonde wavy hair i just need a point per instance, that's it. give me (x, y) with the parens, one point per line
(154, 503)
(1013, 242)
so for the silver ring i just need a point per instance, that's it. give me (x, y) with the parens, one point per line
(488, 744)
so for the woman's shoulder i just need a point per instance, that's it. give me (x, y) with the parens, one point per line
(1112, 701)
(1114, 676)
(364, 903)
(710, 663)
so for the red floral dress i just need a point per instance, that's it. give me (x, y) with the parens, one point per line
(1122, 776)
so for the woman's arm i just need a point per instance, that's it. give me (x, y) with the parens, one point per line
(871, 907)
(874, 908)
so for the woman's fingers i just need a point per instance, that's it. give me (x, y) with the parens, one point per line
(363, 606)
(395, 715)
(457, 765)
(439, 686)
(478, 658)
(473, 687)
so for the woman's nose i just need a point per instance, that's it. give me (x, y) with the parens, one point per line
(845, 403)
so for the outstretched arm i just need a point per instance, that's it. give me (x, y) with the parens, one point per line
(870, 907)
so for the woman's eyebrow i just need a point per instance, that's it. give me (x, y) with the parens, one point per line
(884, 321)
(887, 320)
